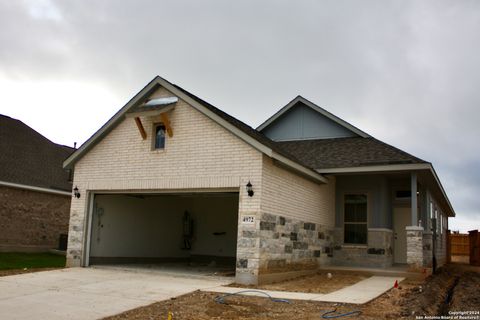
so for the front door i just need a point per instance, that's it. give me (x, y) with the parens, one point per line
(401, 219)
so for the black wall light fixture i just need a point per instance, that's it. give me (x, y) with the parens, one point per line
(76, 193)
(250, 189)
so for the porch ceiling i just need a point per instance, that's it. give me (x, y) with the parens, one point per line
(426, 177)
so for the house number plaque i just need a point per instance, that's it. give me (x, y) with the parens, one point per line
(248, 219)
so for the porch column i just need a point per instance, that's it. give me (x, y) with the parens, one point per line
(414, 247)
(414, 233)
(414, 199)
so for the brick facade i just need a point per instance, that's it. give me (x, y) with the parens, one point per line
(291, 219)
(201, 155)
(31, 220)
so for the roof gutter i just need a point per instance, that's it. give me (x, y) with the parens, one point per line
(380, 168)
(33, 188)
(301, 169)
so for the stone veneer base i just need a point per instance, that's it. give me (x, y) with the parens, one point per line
(277, 248)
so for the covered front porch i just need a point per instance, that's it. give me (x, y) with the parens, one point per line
(388, 220)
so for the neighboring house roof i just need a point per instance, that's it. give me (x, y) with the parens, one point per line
(346, 152)
(28, 158)
(235, 126)
(313, 106)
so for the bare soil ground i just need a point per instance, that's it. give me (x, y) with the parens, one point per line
(453, 288)
(317, 283)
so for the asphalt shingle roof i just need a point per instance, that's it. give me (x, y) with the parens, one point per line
(346, 152)
(27, 157)
(323, 153)
(260, 137)
(312, 154)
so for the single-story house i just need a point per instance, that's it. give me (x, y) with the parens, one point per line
(172, 178)
(35, 190)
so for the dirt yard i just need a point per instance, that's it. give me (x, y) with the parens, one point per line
(318, 283)
(453, 288)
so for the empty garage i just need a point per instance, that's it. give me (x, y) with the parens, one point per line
(160, 229)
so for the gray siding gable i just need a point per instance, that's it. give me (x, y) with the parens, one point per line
(302, 122)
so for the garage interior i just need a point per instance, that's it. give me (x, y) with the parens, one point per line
(182, 231)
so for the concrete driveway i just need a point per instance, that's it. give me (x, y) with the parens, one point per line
(91, 293)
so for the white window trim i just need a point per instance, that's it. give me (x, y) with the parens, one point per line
(154, 137)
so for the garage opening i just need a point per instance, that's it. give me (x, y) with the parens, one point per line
(187, 231)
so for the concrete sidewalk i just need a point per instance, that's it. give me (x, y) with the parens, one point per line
(90, 293)
(359, 293)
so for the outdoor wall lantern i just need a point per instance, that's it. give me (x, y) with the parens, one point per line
(76, 193)
(249, 189)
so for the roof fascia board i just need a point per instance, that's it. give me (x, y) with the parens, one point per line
(110, 124)
(278, 114)
(336, 119)
(444, 193)
(382, 168)
(254, 143)
(33, 188)
(320, 110)
(158, 81)
(301, 169)
(199, 107)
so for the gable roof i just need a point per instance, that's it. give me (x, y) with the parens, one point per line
(235, 126)
(28, 158)
(346, 152)
(313, 106)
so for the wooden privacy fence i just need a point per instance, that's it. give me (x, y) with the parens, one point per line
(474, 247)
(467, 245)
(459, 244)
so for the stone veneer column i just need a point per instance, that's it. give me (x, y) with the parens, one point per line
(414, 247)
(248, 254)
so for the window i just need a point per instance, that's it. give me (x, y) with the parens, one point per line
(355, 219)
(431, 216)
(159, 136)
(441, 223)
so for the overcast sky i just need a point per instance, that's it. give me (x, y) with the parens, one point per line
(407, 72)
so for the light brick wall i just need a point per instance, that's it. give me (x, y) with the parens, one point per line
(286, 194)
(200, 155)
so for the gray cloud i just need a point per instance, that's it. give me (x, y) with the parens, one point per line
(405, 71)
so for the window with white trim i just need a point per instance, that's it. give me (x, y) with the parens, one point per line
(159, 137)
(355, 219)
(441, 223)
